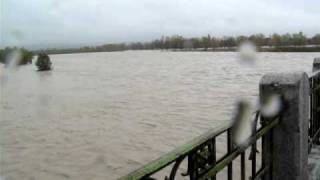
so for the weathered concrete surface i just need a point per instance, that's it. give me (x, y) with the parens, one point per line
(316, 65)
(287, 152)
(314, 163)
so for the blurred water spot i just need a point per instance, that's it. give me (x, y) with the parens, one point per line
(247, 53)
(271, 106)
(242, 122)
(13, 59)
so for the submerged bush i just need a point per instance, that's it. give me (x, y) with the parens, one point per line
(43, 62)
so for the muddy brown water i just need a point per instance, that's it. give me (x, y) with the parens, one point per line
(102, 115)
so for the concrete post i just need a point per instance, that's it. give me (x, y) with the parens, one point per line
(316, 65)
(286, 148)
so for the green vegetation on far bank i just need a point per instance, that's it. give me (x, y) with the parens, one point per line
(260, 49)
(25, 55)
(292, 49)
(296, 42)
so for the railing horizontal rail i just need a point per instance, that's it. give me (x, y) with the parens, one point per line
(261, 173)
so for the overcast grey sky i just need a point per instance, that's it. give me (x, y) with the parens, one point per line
(65, 23)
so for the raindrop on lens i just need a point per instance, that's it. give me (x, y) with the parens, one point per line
(247, 53)
(242, 123)
(13, 59)
(272, 106)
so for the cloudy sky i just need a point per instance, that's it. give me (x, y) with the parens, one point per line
(73, 23)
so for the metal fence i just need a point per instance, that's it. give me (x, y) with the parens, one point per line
(314, 123)
(201, 153)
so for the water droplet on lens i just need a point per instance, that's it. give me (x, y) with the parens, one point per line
(272, 106)
(242, 123)
(13, 59)
(247, 53)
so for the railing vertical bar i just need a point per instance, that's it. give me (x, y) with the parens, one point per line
(314, 109)
(254, 146)
(317, 106)
(317, 117)
(263, 156)
(214, 156)
(311, 110)
(192, 167)
(316, 103)
(253, 159)
(270, 136)
(229, 134)
(314, 106)
(318, 113)
(243, 165)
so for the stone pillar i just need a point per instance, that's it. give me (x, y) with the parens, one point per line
(286, 148)
(316, 65)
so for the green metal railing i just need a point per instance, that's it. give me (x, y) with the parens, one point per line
(200, 154)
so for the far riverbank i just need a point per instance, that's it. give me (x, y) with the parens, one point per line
(260, 49)
(309, 48)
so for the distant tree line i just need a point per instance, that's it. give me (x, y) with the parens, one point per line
(206, 42)
(275, 42)
(25, 55)
(295, 42)
(102, 48)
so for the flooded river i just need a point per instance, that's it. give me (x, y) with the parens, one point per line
(101, 115)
